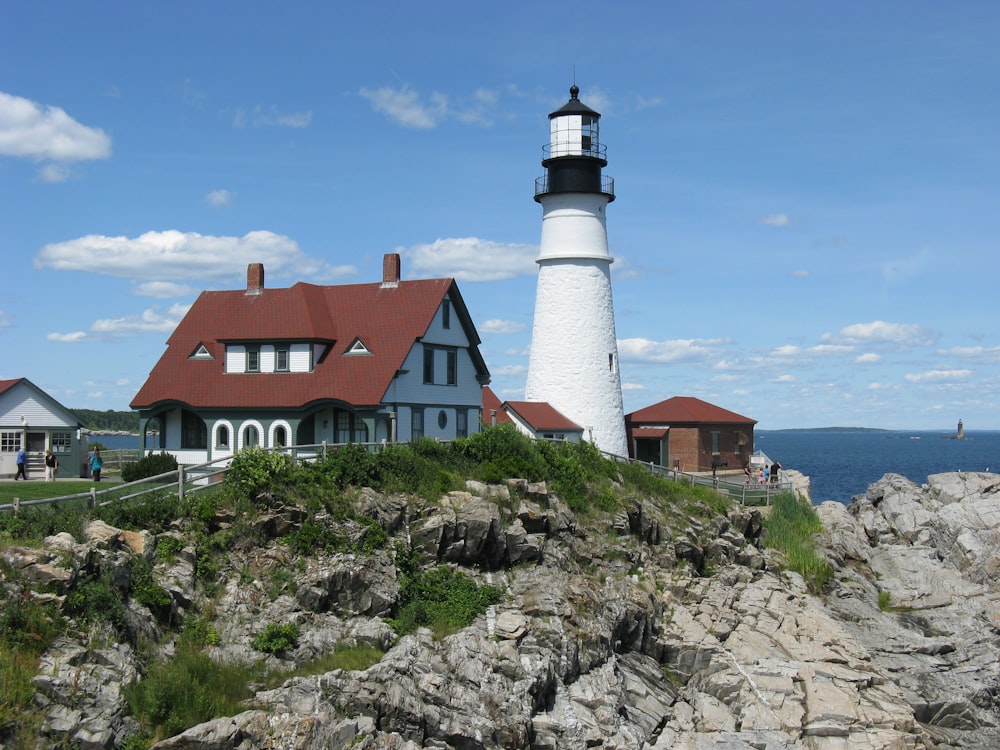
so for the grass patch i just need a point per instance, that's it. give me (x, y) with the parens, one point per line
(791, 525)
(884, 601)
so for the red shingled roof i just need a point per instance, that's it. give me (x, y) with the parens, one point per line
(541, 415)
(388, 320)
(686, 410)
(491, 403)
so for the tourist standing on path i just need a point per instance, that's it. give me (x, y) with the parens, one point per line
(96, 462)
(22, 466)
(51, 464)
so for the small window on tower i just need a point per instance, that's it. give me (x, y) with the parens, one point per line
(446, 314)
(611, 361)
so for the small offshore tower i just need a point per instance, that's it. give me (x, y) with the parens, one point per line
(960, 435)
(573, 363)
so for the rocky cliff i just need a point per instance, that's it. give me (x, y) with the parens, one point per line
(637, 630)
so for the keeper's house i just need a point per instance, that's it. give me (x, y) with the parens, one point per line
(32, 419)
(690, 435)
(379, 362)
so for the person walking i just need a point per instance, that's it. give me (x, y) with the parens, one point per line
(51, 464)
(96, 462)
(22, 466)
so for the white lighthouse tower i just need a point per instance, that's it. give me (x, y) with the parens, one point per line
(574, 350)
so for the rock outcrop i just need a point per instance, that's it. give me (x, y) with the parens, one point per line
(633, 631)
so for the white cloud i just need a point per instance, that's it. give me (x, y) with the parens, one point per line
(510, 370)
(70, 338)
(178, 256)
(470, 259)
(406, 108)
(500, 326)
(881, 332)
(869, 358)
(151, 320)
(633, 387)
(163, 290)
(775, 220)
(800, 273)
(974, 353)
(785, 378)
(676, 350)
(54, 173)
(30, 130)
(220, 198)
(258, 117)
(938, 376)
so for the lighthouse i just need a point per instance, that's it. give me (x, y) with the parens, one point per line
(573, 363)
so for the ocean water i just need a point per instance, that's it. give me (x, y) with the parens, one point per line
(843, 463)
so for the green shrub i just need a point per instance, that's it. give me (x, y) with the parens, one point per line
(148, 466)
(442, 599)
(255, 469)
(277, 638)
(350, 465)
(502, 452)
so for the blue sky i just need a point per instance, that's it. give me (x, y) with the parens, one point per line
(806, 228)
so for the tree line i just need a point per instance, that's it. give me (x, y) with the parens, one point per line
(126, 421)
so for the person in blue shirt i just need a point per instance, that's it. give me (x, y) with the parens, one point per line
(22, 465)
(96, 462)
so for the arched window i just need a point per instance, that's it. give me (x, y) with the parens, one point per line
(280, 437)
(251, 438)
(223, 436)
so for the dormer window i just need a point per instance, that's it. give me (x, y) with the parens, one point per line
(201, 352)
(253, 359)
(358, 347)
(281, 358)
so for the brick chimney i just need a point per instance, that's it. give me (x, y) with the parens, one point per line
(255, 278)
(390, 270)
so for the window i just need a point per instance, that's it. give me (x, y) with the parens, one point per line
(343, 433)
(250, 437)
(280, 437)
(442, 419)
(10, 442)
(194, 433)
(253, 359)
(462, 423)
(223, 436)
(451, 365)
(61, 442)
(446, 314)
(715, 442)
(428, 364)
(360, 430)
(281, 359)
(611, 361)
(416, 424)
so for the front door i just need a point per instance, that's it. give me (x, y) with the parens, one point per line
(35, 442)
(647, 450)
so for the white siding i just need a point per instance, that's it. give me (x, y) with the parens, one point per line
(298, 357)
(236, 358)
(267, 358)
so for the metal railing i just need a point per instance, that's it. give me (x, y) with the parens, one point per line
(747, 492)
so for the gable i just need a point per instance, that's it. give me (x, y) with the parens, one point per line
(22, 398)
